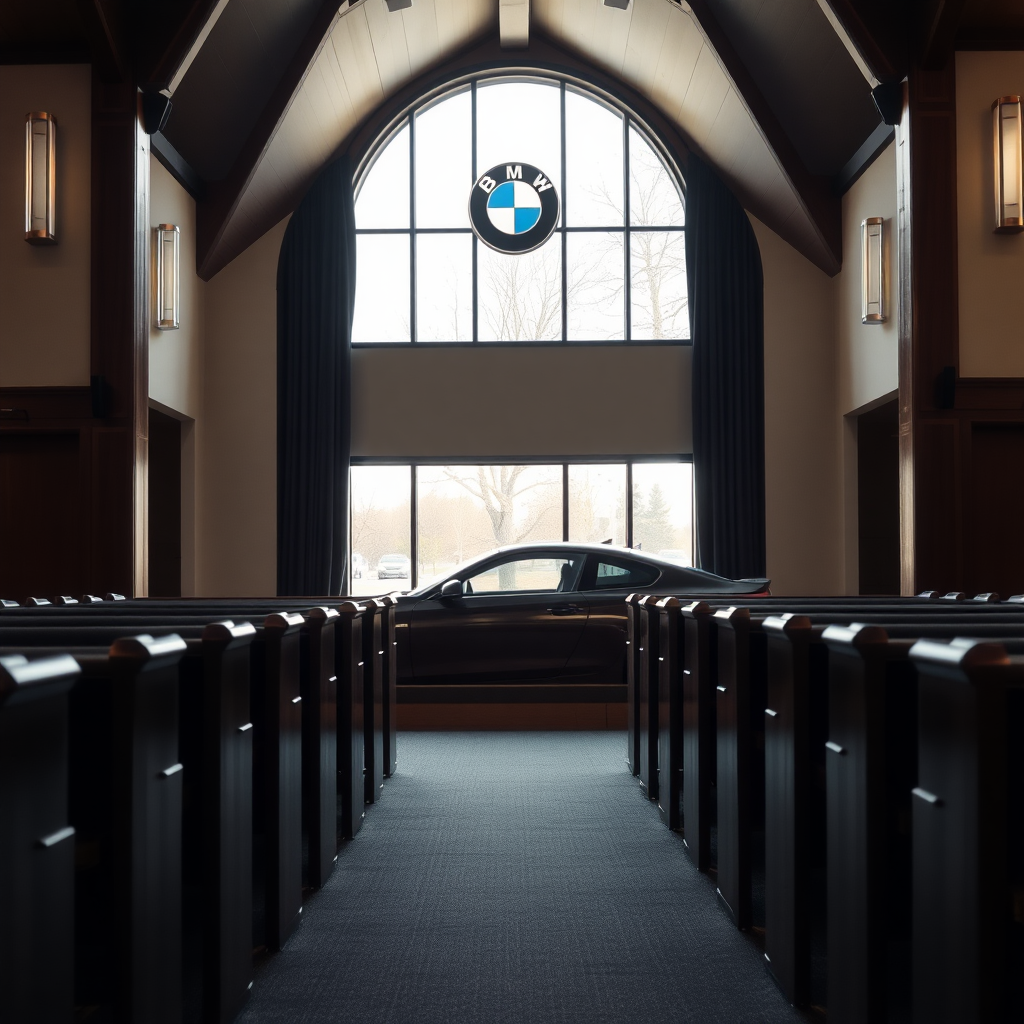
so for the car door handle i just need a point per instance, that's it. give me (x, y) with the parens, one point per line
(565, 609)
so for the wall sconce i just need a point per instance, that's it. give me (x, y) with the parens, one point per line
(1006, 142)
(872, 274)
(40, 179)
(168, 246)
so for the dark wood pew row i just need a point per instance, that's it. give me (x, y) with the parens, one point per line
(125, 806)
(226, 965)
(794, 752)
(36, 851)
(373, 700)
(317, 787)
(380, 718)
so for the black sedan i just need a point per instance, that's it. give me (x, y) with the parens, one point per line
(539, 612)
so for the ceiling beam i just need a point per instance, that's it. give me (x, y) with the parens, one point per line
(815, 193)
(940, 20)
(104, 28)
(223, 197)
(514, 24)
(874, 35)
(177, 41)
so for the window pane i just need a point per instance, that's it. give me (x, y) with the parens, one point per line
(384, 197)
(624, 575)
(658, 271)
(597, 498)
(444, 287)
(593, 163)
(526, 575)
(466, 511)
(521, 122)
(663, 510)
(594, 295)
(520, 296)
(653, 197)
(382, 288)
(444, 169)
(380, 529)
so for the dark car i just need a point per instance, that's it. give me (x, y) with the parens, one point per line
(539, 612)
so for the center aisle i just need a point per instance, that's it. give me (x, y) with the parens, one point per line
(515, 877)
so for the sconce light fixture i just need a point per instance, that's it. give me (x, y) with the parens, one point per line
(168, 247)
(872, 279)
(40, 179)
(1006, 142)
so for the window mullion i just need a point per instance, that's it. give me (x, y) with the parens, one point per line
(564, 236)
(627, 283)
(472, 157)
(412, 228)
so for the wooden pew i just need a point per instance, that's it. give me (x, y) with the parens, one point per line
(650, 635)
(319, 691)
(126, 808)
(36, 854)
(633, 669)
(968, 859)
(670, 711)
(373, 700)
(700, 668)
(351, 733)
(389, 686)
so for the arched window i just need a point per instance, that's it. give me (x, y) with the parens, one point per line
(612, 271)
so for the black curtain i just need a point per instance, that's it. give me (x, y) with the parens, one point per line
(726, 301)
(316, 284)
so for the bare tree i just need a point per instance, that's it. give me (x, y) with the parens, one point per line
(498, 488)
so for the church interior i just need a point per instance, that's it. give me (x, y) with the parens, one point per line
(240, 384)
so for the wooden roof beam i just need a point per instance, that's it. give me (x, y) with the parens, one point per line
(822, 205)
(223, 197)
(874, 34)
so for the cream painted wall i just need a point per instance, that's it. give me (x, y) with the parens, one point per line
(991, 266)
(45, 341)
(866, 354)
(175, 357)
(237, 521)
(521, 402)
(802, 465)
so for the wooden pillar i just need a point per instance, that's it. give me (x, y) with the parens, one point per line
(120, 339)
(931, 528)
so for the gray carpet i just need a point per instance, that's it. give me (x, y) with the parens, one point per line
(515, 877)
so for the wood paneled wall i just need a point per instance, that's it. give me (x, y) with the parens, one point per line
(961, 439)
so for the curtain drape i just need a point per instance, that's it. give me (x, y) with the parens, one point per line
(726, 305)
(316, 278)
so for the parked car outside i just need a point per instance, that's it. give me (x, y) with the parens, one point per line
(394, 567)
(358, 565)
(541, 612)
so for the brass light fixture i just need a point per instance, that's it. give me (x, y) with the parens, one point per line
(168, 247)
(872, 244)
(1006, 142)
(40, 179)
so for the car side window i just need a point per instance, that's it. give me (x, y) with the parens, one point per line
(624, 574)
(526, 575)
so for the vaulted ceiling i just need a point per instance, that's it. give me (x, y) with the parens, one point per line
(775, 93)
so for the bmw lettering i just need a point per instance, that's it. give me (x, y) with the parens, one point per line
(513, 208)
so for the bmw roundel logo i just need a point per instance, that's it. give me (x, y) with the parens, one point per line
(513, 208)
